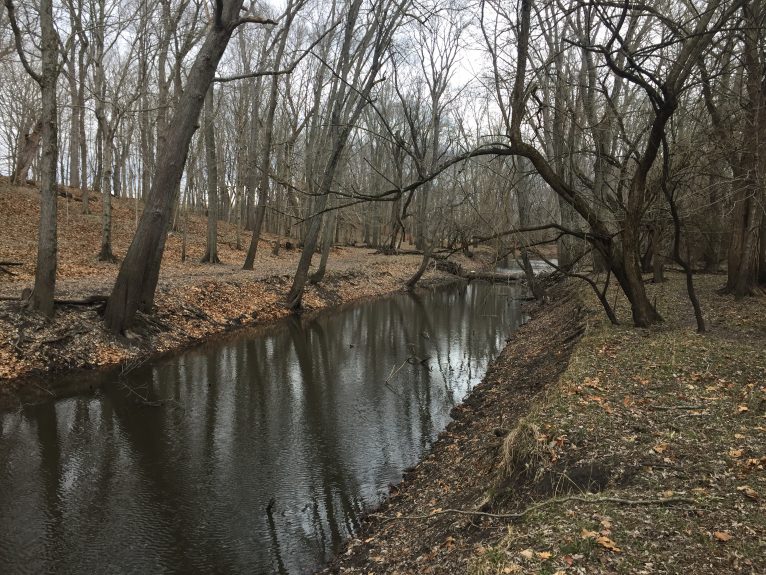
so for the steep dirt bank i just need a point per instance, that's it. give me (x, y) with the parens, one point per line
(194, 301)
(636, 452)
(33, 347)
(411, 533)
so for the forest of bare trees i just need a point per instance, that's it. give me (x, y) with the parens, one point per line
(627, 134)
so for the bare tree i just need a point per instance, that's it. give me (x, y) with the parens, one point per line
(47, 77)
(137, 280)
(355, 74)
(261, 173)
(662, 87)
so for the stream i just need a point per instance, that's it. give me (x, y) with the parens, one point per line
(257, 453)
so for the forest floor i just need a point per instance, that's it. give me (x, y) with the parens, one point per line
(595, 449)
(194, 301)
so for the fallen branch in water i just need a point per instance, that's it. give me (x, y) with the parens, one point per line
(395, 370)
(530, 509)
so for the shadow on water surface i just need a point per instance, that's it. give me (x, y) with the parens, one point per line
(256, 454)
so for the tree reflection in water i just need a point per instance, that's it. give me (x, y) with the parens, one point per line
(256, 454)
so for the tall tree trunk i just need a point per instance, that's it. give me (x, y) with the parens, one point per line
(261, 173)
(658, 264)
(211, 253)
(762, 253)
(139, 273)
(83, 140)
(47, 247)
(74, 124)
(105, 254)
(743, 249)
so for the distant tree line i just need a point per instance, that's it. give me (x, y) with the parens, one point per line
(628, 134)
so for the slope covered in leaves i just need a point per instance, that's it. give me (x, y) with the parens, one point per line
(646, 455)
(674, 423)
(194, 301)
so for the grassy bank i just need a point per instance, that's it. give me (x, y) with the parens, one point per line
(642, 452)
(670, 424)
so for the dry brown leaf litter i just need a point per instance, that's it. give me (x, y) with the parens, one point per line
(665, 427)
(194, 301)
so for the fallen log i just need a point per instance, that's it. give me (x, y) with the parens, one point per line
(505, 276)
(71, 196)
(89, 300)
(4, 265)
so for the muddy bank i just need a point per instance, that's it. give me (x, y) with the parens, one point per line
(35, 352)
(461, 468)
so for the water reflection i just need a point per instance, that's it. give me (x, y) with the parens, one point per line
(256, 455)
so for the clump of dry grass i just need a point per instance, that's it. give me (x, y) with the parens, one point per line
(524, 452)
(664, 413)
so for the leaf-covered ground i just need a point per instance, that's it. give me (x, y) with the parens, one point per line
(645, 455)
(194, 301)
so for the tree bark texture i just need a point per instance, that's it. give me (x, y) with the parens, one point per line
(137, 280)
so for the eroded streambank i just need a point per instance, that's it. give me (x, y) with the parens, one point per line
(36, 352)
(635, 451)
(463, 463)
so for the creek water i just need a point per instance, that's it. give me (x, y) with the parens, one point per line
(255, 454)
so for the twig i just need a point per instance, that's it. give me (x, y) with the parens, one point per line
(392, 390)
(528, 510)
(131, 364)
(397, 370)
(671, 407)
(134, 392)
(46, 390)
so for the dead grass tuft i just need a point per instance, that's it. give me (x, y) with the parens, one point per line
(524, 453)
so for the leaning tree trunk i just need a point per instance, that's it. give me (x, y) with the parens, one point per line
(137, 280)
(295, 296)
(327, 237)
(624, 264)
(415, 278)
(257, 220)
